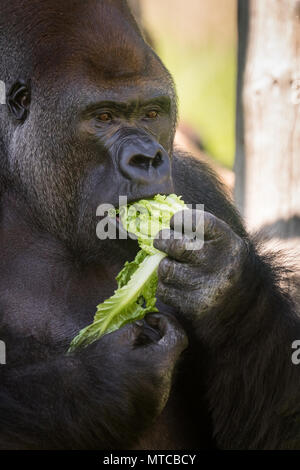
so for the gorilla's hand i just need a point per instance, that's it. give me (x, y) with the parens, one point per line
(140, 358)
(193, 279)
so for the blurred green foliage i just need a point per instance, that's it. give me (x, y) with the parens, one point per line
(205, 82)
(198, 46)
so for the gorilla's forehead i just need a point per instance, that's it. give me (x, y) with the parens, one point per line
(99, 35)
(127, 95)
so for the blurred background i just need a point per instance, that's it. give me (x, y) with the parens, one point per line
(236, 66)
(197, 41)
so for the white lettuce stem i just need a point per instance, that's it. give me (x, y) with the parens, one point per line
(132, 289)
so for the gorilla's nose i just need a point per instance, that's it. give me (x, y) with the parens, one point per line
(144, 161)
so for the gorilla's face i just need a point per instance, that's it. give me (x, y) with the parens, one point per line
(128, 135)
(91, 145)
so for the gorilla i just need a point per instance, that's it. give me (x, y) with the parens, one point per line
(90, 115)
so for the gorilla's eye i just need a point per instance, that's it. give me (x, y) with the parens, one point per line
(104, 117)
(152, 114)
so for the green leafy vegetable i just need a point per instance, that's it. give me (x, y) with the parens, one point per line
(145, 218)
(137, 281)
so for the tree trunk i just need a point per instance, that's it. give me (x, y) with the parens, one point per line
(267, 161)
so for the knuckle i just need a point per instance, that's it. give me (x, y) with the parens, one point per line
(166, 294)
(164, 234)
(166, 269)
(178, 246)
(176, 219)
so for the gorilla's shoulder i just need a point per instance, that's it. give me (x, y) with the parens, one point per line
(197, 183)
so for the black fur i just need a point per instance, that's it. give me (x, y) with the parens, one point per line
(235, 385)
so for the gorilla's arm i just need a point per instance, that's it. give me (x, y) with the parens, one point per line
(240, 321)
(102, 397)
(198, 184)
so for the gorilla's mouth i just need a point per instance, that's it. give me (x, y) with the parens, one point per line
(147, 196)
(121, 232)
(114, 219)
(136, 198)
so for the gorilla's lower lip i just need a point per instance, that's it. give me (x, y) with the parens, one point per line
(151, 196)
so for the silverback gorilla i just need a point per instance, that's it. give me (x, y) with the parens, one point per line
(90, 115)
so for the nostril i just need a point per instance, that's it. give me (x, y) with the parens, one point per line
(144, 161)
(157, 159)
(140, 161)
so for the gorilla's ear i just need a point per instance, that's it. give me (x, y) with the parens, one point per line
(18, 100)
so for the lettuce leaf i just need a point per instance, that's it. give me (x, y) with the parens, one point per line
(145, 218)
(137, 281)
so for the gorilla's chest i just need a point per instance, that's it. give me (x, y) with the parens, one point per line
(48, 298)
(174, 429)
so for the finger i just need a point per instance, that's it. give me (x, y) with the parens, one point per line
(174, 273)
(147, 333)
(122, 337)
(188, 222)
(169, 295)
(128, 332)
(215, 228)
(173, 336)
(178, 246)
(196, 223)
